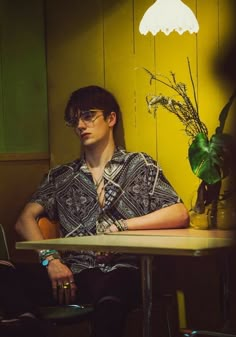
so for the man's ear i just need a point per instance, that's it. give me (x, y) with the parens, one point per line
(111, 119)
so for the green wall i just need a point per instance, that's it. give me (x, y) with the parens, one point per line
(23, 93)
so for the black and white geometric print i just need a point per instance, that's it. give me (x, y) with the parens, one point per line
(134, 186)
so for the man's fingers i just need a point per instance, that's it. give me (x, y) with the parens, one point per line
(67, 295)
(73, 291)
(64, 291)
(60, 293)
(54, 289)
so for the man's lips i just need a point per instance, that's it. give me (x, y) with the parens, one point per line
(85, 134)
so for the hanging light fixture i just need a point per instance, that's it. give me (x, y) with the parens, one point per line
(167, 16)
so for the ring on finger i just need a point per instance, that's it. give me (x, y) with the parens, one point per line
(66, 285)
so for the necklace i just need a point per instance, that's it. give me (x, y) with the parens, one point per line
(100, 187)
(98, 182)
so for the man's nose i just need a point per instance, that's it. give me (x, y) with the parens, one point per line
(81, 124)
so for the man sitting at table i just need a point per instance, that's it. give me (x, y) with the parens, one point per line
(106, 190)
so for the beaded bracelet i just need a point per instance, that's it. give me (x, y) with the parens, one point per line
(47, 252)
(121, 225)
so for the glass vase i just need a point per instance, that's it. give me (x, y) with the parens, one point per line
(199, 220)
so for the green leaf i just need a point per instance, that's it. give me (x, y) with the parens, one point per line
(210, 160)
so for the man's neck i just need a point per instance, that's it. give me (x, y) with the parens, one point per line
(98, 156)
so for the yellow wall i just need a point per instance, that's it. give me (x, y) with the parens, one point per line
(98, 42)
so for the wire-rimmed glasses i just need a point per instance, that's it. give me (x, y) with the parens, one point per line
(88, 117)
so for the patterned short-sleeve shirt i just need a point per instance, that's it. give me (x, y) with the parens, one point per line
(134, 185)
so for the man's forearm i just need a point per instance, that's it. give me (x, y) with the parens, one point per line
(174, 216)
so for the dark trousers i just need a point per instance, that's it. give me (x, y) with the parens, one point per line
(14, 299)
(113, 294)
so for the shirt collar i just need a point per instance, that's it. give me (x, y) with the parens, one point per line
(118, 157)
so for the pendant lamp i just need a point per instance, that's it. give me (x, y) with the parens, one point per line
(167, 16)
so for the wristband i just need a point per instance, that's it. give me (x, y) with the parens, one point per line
(47, 252)
(121, 225)
(46, 261)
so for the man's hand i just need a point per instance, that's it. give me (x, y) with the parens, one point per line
(118, 226)
(63, 285)
(112, 229)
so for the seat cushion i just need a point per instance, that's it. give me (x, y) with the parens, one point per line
(65, 312)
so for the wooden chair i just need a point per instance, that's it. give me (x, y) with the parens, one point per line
(4, 253)
(49, 229)
(55, 315)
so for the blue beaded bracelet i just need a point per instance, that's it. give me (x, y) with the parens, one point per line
(47, 252)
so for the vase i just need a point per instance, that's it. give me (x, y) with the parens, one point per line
(225, 216)
(199, 220)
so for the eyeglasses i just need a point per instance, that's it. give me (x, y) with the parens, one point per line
(88, 117)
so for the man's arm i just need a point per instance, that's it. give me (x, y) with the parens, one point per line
(26, 225)
(58, 272)
(174, 216)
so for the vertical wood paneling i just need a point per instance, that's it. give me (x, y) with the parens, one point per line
(172, 142)
(227, 42)
(18, 180)
(105, 48)
(75, 59)
(144, 47)
(119, 62)
(208, 48)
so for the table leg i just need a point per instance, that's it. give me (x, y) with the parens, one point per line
(225, 295)
(146, 274)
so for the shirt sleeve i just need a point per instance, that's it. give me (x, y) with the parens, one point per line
(161, 192)
(45, 196)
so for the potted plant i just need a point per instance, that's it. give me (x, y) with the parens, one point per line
(211, 159)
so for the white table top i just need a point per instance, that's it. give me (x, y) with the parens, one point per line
(154, 242)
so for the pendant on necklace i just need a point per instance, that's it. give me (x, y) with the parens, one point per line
(98, 182)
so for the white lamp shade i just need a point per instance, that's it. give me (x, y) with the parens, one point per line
(167, 16)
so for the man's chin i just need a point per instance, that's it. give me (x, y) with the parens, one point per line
(88, 142)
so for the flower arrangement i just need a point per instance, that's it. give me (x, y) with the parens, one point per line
(210, 159)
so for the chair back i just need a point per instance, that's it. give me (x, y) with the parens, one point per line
(4, 253)
(49, 229)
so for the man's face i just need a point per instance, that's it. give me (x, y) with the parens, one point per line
(93, 127)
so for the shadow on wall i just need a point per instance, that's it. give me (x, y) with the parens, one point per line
(225, 65)
(119, 135)
(86, 14)
(225, 68)
(75, 33)
(108, 7)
